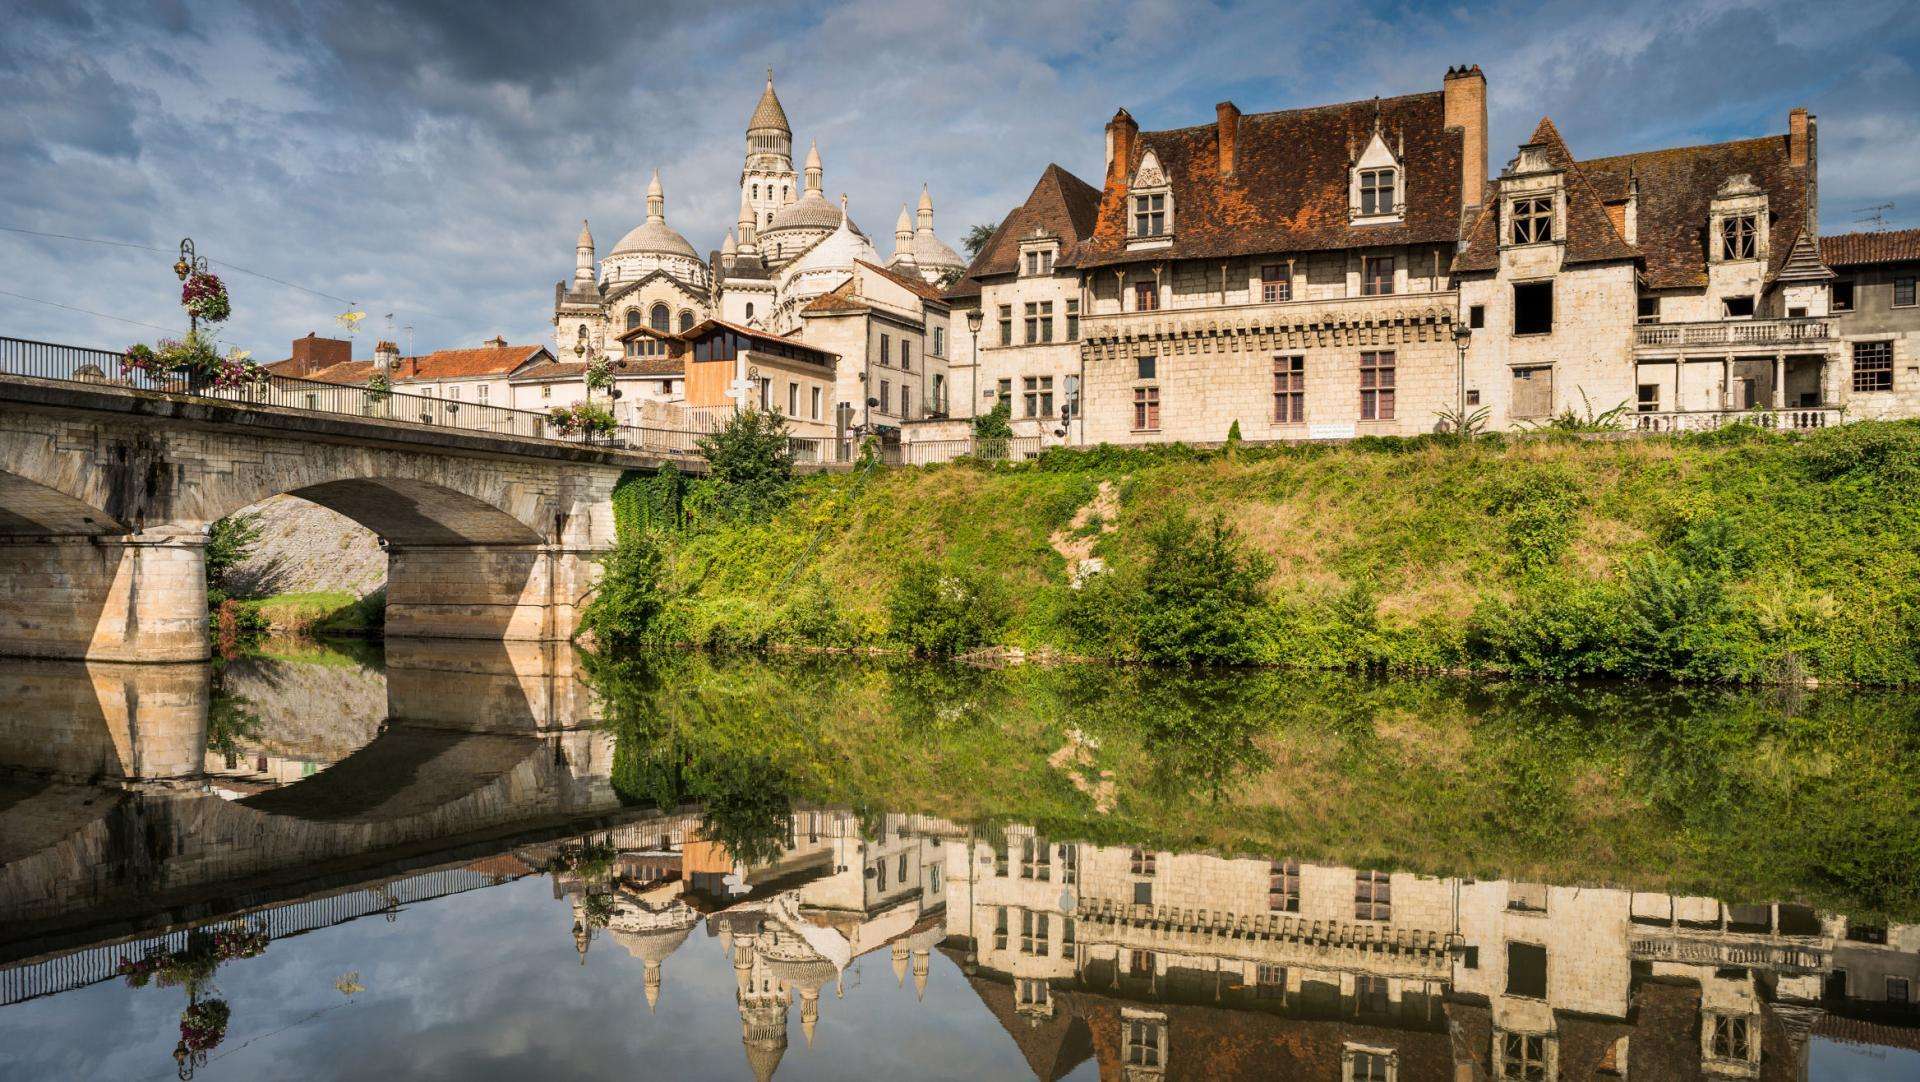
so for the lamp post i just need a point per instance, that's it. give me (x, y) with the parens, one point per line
(1462, 334)
(976, 318)
(189, 263)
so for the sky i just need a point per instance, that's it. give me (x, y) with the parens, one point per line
(434, 159)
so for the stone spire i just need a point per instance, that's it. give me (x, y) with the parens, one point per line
(900, 953)
(925, 214)
(768, 115)
(583, 256)
(902, 239)
(809, 1012)
(922, 963)
(815, 174)
(652, 983)
(656, 201)
(727, 249)
(748, 243)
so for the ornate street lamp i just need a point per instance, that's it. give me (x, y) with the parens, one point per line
(976, 318)
(1462, 334)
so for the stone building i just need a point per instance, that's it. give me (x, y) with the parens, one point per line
(482, 376)
(1682, 285)
(1877, 315)
(892, 330)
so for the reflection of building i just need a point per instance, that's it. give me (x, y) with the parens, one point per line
(1163, 965)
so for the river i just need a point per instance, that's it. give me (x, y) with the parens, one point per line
(479, 861)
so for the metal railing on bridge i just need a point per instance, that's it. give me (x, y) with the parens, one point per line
(103, 368)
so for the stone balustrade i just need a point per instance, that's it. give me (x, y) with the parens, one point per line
(1733, 333)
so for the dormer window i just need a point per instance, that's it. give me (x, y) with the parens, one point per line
(1039, 262)
(1739, 237)
(1376, 191)
(1532, 218)
(1150, 215)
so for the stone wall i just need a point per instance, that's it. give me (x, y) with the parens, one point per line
(306, 548)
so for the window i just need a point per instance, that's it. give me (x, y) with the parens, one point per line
(1000, 930)
(749, 311)
(1033, 932)
(1073, 321)
(1376, 191)
(1729, 1037)
(1006, 324)
(906, 402)
(939, 342)
(658, 317)
(1003, 391)
(1649, 400)
(816, 403)
(481, 393)
(1737, 307)
(1899, 990)
(633, 318)
(1144, 367)
(766, 394)
(686, 320)
(1532, 219)
(1376, 275)
(1033, 262)
(1270, 982)
(886, 397)
(1069, 868)
(1143, 893)
(1476, 316)
(1283, 886)
(1903, 293)
(546, 390)
(1275, 285)
(1842, 293)
(1046, 261)
(1039, 322)
(1372, 896)
(886, 350)
(1527, 970)
(1036, 861)
(1289, 390)
(1376, 386)
(1149, 215)
(1370, 994)
(1738, 237)
(1648, 311)
(1873, 366)
(1522, 1056)
(1072, 387)
(1527, 897)
(880, 876)
(1473, 396)
(1533, 308)
(1368, 1064)
(1038, 394)
(1146, 297)
(1141, 862)
(1144, 1038)
(1032, 992)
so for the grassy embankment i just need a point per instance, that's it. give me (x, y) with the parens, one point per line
(324, 612)
(1741, 555)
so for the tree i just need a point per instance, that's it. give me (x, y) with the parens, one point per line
(977, 238)
(229, 542)
(1201, 593)
(996, 423)
(749, 458)
(629, 598)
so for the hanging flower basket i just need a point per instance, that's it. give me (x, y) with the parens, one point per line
(379, 386)
(600, 375)
(205, 298)
(582, 419)
(204, 1025)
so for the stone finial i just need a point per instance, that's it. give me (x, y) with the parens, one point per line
(656, 200)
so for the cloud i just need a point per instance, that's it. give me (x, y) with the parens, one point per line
(434, 159)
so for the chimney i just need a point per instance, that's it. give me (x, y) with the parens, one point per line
(1122, 133)
(386, 357)
(1465, 107)
(496, 342)
(1798, 130)
(1227, 119)
(312, 353)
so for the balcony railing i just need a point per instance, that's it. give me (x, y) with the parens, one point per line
(1259, 316)
(1732, 332)
(1804, 417)
(1776, 956)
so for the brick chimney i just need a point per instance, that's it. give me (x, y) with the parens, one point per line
(1799, 137)
(1122, 133)
(1227, 118)
(496, 342)
(386, 357)
(1465, 97)
(312, 353)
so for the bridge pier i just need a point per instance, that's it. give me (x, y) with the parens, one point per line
(511, 592)
(140, 597)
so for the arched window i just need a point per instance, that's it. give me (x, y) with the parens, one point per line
(749, 310)
(658, 318)
(633, 318)
(786, 191)
(686, 320)
(756, 191)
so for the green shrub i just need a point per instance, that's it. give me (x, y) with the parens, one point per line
(942, 611)
(230, 541)
(1201, 593)
(629, 599)
(996, 423)
(749, 461)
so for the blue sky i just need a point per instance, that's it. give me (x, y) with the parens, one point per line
(434, 160)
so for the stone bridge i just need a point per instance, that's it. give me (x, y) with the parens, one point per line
(107, 494)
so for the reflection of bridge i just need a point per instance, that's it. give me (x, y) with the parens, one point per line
(107, 492)
(443, 766)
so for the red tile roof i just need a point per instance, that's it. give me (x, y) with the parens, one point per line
(1289, 190)
(1861, 249)
(440, 364)
(839, 299)
(1060, 203)
(912, 283)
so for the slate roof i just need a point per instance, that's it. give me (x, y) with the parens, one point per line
(1862, 249)
(1060, 203)
(1677, 186)
(1289, 188)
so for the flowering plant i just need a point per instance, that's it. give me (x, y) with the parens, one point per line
(141, 358)
(194, 964)
(600, 375)
(204, 1025)
(582, 418)
(236, 370)
(379, 386)
(205, 297)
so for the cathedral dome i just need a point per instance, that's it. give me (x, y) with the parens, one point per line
(837, 251)
(768, 115)
(810, 211)
(652, 944)
(654, 236)
(932, 253)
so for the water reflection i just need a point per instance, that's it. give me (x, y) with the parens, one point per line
(1128, 879)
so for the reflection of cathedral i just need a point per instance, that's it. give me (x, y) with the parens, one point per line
(790, 244)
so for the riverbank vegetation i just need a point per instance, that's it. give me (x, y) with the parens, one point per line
(1743, 555)
(1748, 795)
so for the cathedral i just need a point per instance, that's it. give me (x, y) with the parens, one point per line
(789, 245)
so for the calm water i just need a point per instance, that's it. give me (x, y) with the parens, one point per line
(472, 861)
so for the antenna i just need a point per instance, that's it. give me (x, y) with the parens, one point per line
(409, 329)
(1875, 216)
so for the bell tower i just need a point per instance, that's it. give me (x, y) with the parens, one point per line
(767, 180)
